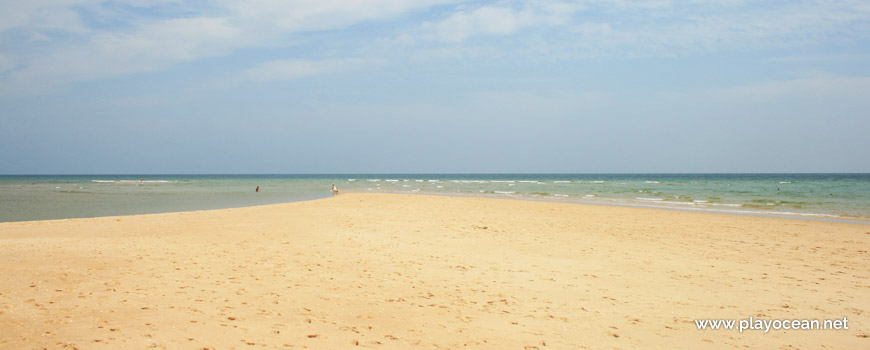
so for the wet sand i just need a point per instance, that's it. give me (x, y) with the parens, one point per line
(404, 271)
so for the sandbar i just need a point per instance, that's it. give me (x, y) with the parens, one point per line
(396, 271)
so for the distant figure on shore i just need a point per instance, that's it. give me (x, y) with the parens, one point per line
(140, 180)
(334, 190)
(258, 188)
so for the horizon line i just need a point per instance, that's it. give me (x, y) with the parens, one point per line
(448, 173)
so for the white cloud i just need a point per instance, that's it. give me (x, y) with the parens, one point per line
(180, 39)
(311, 15)
(41, 15)
(714, 26)
(153, 46)
(658, 28)
(498, 20)
(148, 44)
(78, 40)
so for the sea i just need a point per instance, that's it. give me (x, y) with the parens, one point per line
(830, 197)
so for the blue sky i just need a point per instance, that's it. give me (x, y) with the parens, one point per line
(378, 86)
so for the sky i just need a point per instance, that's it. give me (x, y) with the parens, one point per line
(433, 86)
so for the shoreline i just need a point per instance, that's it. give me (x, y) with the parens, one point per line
(750, 213)
(831, 196)
(747, 213)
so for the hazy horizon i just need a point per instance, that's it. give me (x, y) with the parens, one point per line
(343, 174)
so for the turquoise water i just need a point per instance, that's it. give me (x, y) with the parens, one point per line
(24, 198)
(825, 196)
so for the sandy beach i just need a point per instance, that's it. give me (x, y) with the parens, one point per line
(406, 271)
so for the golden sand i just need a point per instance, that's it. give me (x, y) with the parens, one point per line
(403, 271)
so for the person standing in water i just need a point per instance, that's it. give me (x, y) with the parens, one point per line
(258, 188)
(334, 190)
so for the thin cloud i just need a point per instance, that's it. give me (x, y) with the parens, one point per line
(6, 63)
(296, 69)
(67, 52)
(47, 44)
(38, 16)
(820, 58)
(811, 87)
(654, 28)
(155, 46)
(497, 21)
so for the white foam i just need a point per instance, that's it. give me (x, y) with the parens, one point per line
(676, 202)
(434, 181)
(699, 201)
(727, 205)
(391, 180)
(589, 196)
(770, 212)
(505, 192)
(559, 195)
(598, 182)
(802, 214)
(418, 180)
(103, 181)
(351, 180)
(561, 182)
(136, 181)
(785, 182)
(373, 180)
(651, 182)
(511, 184)
(505, 181)
(406, 185)
(647, 199)
(439, 186)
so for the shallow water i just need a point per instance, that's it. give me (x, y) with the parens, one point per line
(834, 196)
